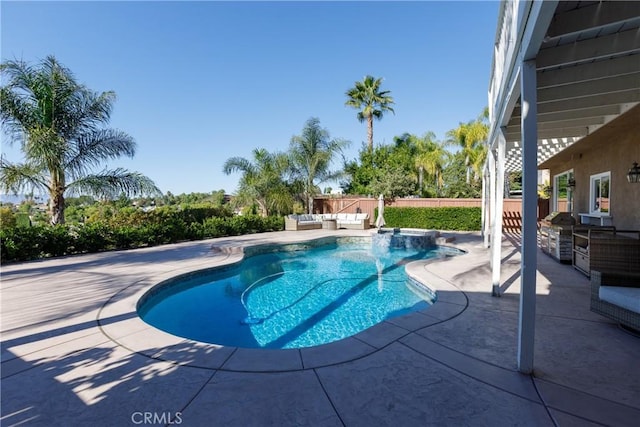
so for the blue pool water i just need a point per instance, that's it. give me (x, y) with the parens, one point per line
(291, 299)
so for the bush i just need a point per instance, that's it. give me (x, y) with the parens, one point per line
(459, 218)
(7, 217)
(167, 226)
(20, 243)
(56, 241)
(94, 237)
(23, 219)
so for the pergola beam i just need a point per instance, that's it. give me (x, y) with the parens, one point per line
(617, 44)
(551, 133)
(589, 71)
(597, 15)
(561, 116)
(627, 97)
(573, 123)
(597, 87)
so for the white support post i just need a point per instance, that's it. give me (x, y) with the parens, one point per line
(496, 228)
(528, 265)
(484, 212)
(487, 199)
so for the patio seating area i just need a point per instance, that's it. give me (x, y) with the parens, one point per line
(75, 353)
(354, 221)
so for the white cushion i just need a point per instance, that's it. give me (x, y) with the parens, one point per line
(342, 216)
(351, 217)
(362, 216)
(621, 296)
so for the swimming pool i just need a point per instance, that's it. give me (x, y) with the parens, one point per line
(290, 298)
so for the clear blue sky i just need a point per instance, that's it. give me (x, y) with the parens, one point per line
(200, 82)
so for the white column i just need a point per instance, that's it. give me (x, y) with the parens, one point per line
(528, 265)
(484, 218)
(496, 227)
(492, 196)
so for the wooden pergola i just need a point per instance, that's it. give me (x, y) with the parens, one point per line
(561, 70)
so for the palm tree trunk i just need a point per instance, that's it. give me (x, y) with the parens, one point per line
(370, 132)
(262, 204)
(309, 197)
(56, 206)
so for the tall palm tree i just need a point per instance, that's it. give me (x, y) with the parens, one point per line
(367, 97)
(311, 155)
(471, 138)
(263, 181)
(59, 124)
(431, 158)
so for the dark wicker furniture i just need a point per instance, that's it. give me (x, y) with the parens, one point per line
(622, 315)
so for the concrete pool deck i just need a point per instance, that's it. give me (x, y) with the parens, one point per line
(74, 351)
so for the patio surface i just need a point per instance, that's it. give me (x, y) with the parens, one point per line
(74, 351)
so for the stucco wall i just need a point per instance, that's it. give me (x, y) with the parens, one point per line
(615, 155)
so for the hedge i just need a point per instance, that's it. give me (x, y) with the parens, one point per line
(446, 218)
(27, 243)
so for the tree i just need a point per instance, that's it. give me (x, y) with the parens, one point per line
(263, 181)
(311, 155)
(387, 169)
(454, 177)
(431, 158)
(59, 125)
(471, 138)
(367, 97)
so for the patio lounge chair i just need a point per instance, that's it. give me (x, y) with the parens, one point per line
(616, 295)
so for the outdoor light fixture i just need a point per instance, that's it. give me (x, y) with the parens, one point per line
(634, 173)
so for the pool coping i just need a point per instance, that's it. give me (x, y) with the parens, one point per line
(138, 336)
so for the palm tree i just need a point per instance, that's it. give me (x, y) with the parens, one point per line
(59, 125)
(311, 154)
(263, 181)
(471, 138)
(431, 158)
(367, 97)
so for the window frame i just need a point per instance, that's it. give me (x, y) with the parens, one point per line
(593, 179)
(554, 197)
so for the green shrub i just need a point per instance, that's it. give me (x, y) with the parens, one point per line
(21, 244)
(168, 226)
(22, 219)
(94, 237)
(56, 240)
(7, 217)
(458, 218)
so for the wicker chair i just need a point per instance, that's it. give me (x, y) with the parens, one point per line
(621, 315)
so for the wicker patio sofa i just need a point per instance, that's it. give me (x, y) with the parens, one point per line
(616, 295)
(296, 222)
(357, 221)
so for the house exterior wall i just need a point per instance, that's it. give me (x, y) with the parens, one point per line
(615, 155)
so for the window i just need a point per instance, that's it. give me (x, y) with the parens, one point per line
(599, 194)
(562, 193)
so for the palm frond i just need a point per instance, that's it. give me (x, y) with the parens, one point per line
(17, 113)
(112, 183)
(237, 164)
(94, 148)
(21, 178)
